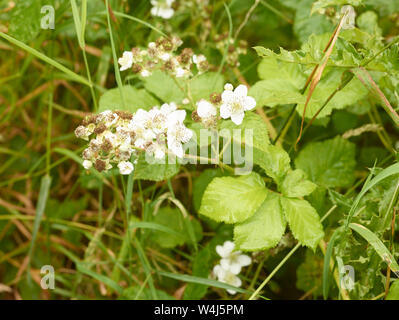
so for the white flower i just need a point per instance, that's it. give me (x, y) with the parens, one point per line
(126, 61)
(125, 167)
(145, 73)
(228, 277)
(232, 260)
(165, 56)
(349, 21)
(206, 109)
(180, 72)
(177, 132)
(228, 87)
(158, 150)
(198, 59)
(185, 101)
(82, 132)
(235, 103)
(162, 9)
(87, 164)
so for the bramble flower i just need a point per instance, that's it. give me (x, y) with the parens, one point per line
(235, 103)
(228, 277)
(349, 21)
(205, 109)
(232, 260)
(126, 61)
(162, 8)
(119, 135)
(87, 164)
(125, 167)
(177, 132)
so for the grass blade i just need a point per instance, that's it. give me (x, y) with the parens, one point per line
(41, 206)
(377, 244)
(74, 76)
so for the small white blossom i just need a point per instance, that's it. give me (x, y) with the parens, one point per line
(177, 133)
(162, 8)
(126, 61)
(232, 260)
(228, 87)
(145, 73)
(235, 103)
(180, 72)
(228, 277)
(198, 59)
(125, 167)
(185, 101)
(87, 164)
(205, 109)
(349, 21)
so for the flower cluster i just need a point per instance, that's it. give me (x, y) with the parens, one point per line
(162, 8)
(233, 52)
(230, 104)
(161, 54)
(119, 135)
(230, 265)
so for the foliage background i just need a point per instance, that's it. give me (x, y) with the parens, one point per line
(82, 228)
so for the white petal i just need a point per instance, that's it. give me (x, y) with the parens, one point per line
(237, 118)
(249, 103)
(187, 135)
(177, 116)
(205, 109)
(225, 111)
(228, 246)
(225, 263)
(235, 268)
(176, 148)
(241, 91)
(228, 87)
(125, 167)
(227, 96)
(87, 164)
(166, 13)
(244, 260)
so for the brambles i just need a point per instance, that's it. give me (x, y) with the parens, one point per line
(187, 149)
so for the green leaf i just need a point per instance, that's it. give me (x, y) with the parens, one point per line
(393, 293)
(377, 244)
(264, 229)
(282, 81)
(334, 164)
(25, 20)
(273, 92)
(233, 199)
(99, 277)
(251, 121)
(175, 233)
(150, 170)
(201, 182)
(202, 266)
(320, 4)
(306, 24)
(352, 93)
(295, 184)
(203, 85)
(274, 160)
(304, 221)
(134, 99)
(309, 274)
(164, 87)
